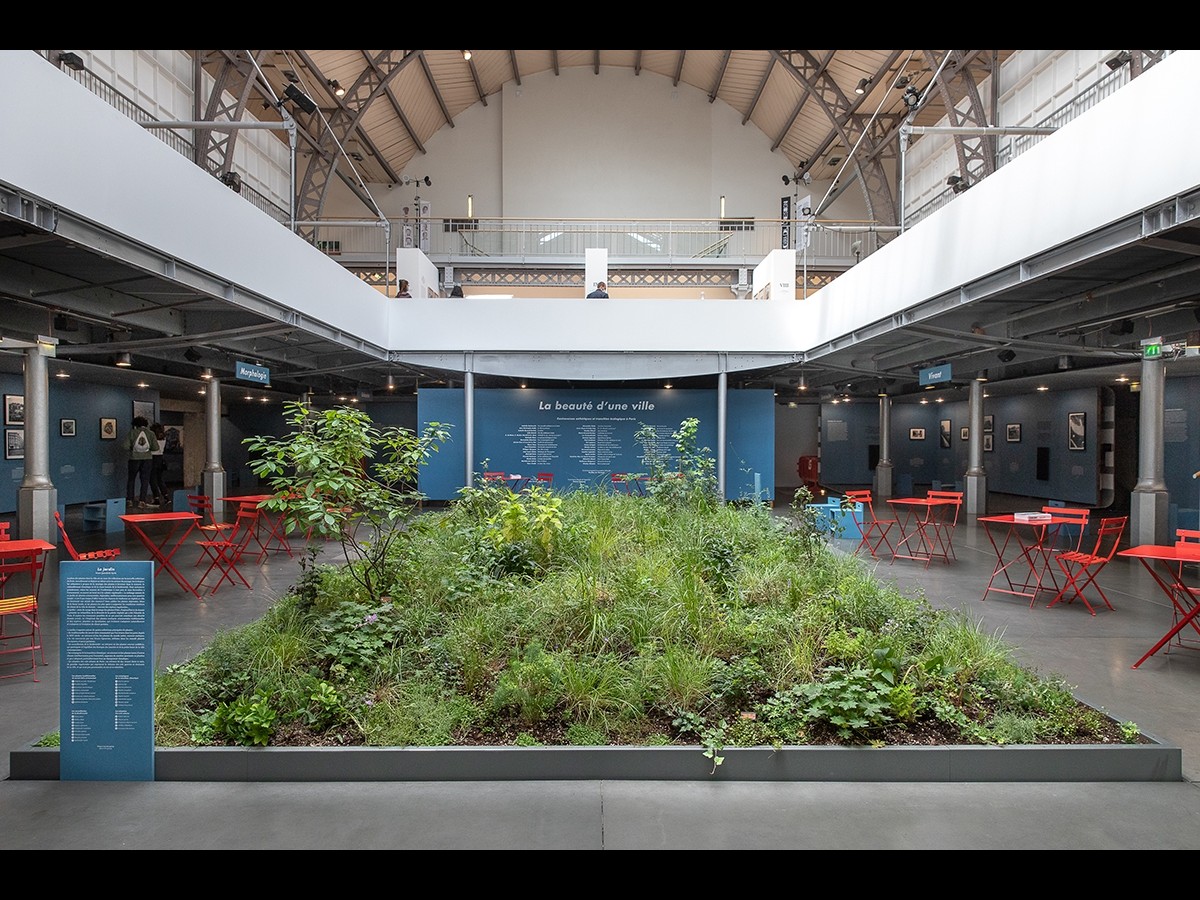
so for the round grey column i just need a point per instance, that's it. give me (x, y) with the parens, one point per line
(1148, 504)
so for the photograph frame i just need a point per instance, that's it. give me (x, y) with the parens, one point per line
(14, 409)
(1012, 432)
(1077, 431)
(108, 428)
(988, 424)
(987, 443)
(916, 434)
(944, 427)
(14, 443)
(66, 428)
(144, 408)
(964, 433)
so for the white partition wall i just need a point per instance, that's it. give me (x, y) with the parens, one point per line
(595, 267)
(775, 276)
(418, 270)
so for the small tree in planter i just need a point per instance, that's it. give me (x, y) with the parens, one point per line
(337, 475)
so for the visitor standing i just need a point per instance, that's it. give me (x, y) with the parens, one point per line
(158, 465)
(140, 443)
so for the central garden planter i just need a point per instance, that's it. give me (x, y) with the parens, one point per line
(1025, 763)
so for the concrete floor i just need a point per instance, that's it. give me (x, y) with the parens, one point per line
(1095, 654)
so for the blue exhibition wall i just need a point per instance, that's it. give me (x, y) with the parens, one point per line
(1181, 449)
(83, 467)
(1031, 452)
(246, 420)
(583, 436)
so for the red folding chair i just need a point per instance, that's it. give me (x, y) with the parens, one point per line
(207, 524)
(874, 530)
(1087, 565)
(1187, 595)
(1063, 534)
(107, 553)
(944, 517)
(224, 554)
(16, 573)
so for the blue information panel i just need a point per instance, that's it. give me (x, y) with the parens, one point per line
(106, 687)
(584, 436)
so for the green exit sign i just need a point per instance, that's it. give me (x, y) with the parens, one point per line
(1152, 351)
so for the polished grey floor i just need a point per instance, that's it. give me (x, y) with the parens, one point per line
(1095, 654)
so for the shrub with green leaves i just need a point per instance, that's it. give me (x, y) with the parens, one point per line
(337, 475)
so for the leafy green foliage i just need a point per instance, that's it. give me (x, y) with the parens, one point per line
(247, 720)
(337, 475)
(587, 617)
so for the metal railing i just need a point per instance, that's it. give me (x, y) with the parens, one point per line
(526, 241)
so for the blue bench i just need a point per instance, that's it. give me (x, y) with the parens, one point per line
(839, 522)
(104, 515)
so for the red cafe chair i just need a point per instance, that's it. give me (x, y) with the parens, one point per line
(1062, 542)
(224, 554)
(874, 530)
(1088, 564)
(14, 571)
(107, 553)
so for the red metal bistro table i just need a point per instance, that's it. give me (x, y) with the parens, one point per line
(1182, 597)
(923, 536)
(1025, 552)
(276, 539)
(181, 525)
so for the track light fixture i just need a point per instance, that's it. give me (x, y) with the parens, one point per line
(301, 99)
(408, 179)
(863, 84)
(466, 55)
(124, 360)
(71, 60)
(1118, 59)
(338, 90)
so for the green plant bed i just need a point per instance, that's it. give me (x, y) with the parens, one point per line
(589, 619)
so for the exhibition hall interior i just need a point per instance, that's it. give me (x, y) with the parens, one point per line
(904, 272)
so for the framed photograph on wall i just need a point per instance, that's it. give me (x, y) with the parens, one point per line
(987, 443)
(964, 433)
(66, 427)
(944, 434)
(144, 408)
(916, 434)
(987, 424)
(1013, 432)
(14, 443)
(1076, 431)
(108, 429)
(14, 409)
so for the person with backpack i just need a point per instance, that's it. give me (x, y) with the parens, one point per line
(158, 465)
(141, 444)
